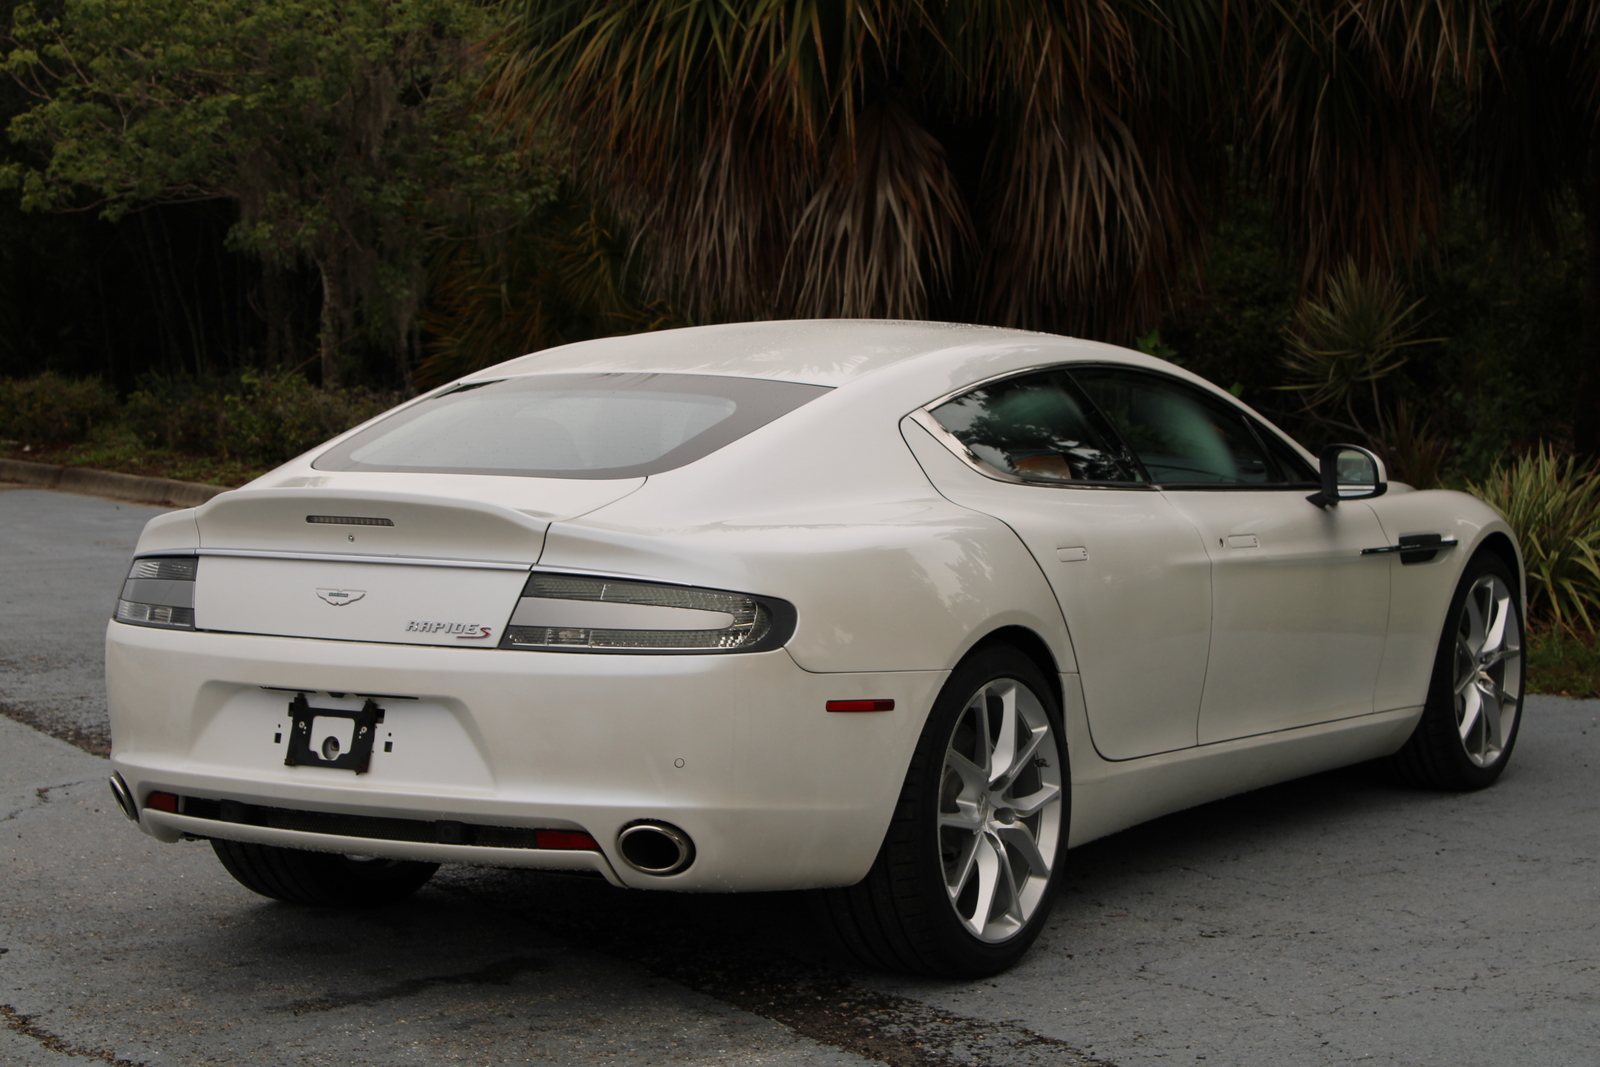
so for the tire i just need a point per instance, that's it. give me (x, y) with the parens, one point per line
(1474, 706)
(959, 830)
(321, 879)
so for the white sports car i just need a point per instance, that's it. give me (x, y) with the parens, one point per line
(900, 611)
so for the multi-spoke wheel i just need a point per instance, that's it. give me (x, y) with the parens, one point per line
(965, 877)
(1000, 809)
(1475, 699)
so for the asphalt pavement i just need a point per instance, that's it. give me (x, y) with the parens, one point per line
(1335, 920)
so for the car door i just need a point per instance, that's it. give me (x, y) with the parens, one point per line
(1128, 569)
(1298, 613)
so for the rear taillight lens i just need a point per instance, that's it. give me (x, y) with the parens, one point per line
(159, 592)
(578, 613)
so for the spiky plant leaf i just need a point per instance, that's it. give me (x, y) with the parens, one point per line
(1358, 334)
(1553, 504)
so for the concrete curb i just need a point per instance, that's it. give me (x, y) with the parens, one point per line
(132, 488)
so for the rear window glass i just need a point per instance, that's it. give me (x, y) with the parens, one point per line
(570, 425)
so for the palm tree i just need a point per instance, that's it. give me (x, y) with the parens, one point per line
(1042, 163)
(1007, 163)
(1534, 147)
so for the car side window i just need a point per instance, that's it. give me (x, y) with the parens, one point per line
(1292, 467)
(1181, 435)
(1037, 427)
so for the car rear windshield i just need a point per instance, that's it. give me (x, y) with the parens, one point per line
(569, 425)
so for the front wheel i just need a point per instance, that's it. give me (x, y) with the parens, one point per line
(321, 878)
(1474, 703)
(968, 869)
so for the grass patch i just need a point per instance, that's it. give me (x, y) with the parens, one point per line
(1563, 663)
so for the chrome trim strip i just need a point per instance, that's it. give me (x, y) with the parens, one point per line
(1429, 546)
(330, 557)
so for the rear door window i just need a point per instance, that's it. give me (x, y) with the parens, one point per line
(570, 425)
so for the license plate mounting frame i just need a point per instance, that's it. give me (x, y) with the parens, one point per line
(365, 731)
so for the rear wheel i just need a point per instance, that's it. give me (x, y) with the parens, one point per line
(1474, 704)
(968, 869)
(321, 878)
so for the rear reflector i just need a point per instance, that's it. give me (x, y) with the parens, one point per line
(860, 705)
(570, 840)
(162, 802)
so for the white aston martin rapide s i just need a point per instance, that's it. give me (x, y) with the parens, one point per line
(894, 611)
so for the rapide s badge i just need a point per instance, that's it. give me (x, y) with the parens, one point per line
(340, 597)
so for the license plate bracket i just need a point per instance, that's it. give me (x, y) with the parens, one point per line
(303, 749)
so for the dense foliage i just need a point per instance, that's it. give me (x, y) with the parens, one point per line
(341, 133)
(51, 409)
(1219, 178)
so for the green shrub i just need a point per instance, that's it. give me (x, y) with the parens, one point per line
(259, 418)
(1554, 506)
(51, 410)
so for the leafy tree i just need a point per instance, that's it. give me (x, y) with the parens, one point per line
(342, 130)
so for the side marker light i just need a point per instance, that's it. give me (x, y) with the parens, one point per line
(860, 705)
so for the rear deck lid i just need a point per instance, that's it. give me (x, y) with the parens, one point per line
(352, 564)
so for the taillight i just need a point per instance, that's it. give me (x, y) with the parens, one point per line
(159, 591)
(578, 613)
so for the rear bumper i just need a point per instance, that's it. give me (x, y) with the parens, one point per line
(736, 750)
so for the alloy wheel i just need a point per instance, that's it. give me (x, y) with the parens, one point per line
(1000, 807)
(1488, 669)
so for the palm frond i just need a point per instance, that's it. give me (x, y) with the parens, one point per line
(885, 223)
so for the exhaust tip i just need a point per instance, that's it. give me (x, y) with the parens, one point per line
(124, 797)
(656, 848)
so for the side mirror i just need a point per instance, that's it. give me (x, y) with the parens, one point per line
(1349, 472)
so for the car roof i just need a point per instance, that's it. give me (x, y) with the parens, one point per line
(829, 352)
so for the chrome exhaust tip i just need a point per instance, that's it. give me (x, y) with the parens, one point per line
(656, 848)
(124, 797)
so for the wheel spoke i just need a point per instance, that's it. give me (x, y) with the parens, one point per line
(1008, 877)
(1019, 839)
(965, 818)
(1492, 715)
(979, 710)
(1495, 636)
(972, 775)
(1003, 756)
(1472, 706)
(1034, 801)
(1501, 656)
(1474, 620)
(966, 863)
(988, 872)
(1024, 757)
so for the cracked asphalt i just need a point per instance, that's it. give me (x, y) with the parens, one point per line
(1334, 920)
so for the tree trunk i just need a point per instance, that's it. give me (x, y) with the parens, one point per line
(330, 337)
(1586, 411)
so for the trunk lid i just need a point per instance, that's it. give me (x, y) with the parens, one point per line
(355, 563)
